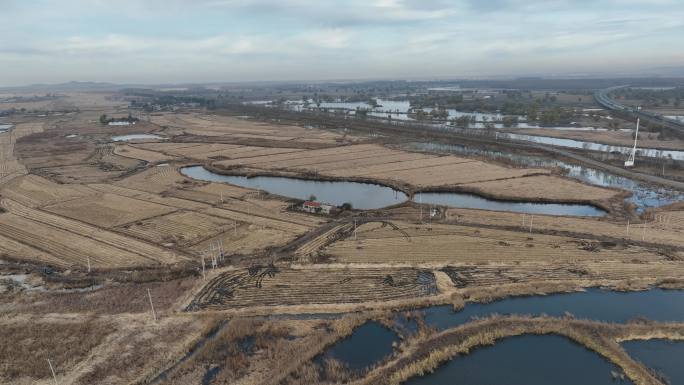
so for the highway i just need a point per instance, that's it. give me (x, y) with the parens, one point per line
(605, 101)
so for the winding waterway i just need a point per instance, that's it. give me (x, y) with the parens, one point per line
(365, 196)
(578, 144)
(594, 304)
(470, 201)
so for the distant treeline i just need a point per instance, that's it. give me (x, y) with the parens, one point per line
(104, 119)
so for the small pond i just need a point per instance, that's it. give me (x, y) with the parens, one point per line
(663, 356)
(525, 360)
(124, 138)
(5, 127)
(363, 196)
(369, 343)
(470, 201)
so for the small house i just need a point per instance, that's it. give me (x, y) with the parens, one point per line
(316, 207)
(311, 207)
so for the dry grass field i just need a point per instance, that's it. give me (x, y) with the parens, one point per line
(120, 225)
(92, 350)
(444, 244)
(11, 167)
(238, 129)
(69, 100)
(90, 238)
(212, 151)
(126, 210)
(666, 228)
(182, 228)
(66, 242)
(418, 171)
(129, 151)
(542, 187)
(34, 191)
(108, 210)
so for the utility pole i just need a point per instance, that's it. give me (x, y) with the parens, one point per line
(54, 376)
(628, 227)
(154, 314)
(531, 219)
(420, 202)
(88, 264)
(204, 275)
(643, 232)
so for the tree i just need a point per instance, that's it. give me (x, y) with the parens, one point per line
(462, 121)
(361, 113)
(103, 119)
(312, 198)
(346, 206)
(510, 121)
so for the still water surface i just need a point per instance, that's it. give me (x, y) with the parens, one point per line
(525, 360)
(663, 356)
(123, 138)
(363, 196)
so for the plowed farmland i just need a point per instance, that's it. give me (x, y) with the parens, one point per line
(271, 286)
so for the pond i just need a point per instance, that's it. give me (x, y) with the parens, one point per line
(5, 127)
(594, 304)
(525, 360)
(365, 196)
(663, 356)
(123, 138)
(369, 343)
(470, 201)
(578, 144)
(362, 196)
(643, 196)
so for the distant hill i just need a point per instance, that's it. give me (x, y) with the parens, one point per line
(67, 87)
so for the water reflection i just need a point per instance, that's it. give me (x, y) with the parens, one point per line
(363, 196)
(525, 360)
(123, 138)
(643, 196)
(468, 201)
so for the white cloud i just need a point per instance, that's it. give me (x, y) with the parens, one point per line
(241, 39)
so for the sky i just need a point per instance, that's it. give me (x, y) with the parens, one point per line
(200, 41)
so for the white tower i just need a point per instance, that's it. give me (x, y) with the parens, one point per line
(630, 161)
